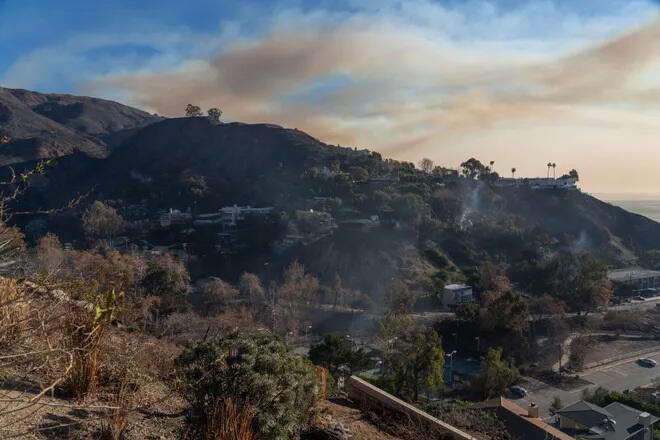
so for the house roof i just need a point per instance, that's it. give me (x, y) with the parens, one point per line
(518, 423)
(626, 420)
(585, 413)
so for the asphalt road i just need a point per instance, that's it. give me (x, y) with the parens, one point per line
(618, 376)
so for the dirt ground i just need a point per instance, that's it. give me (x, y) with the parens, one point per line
(341, 416)
(603, 349)
(51, 418)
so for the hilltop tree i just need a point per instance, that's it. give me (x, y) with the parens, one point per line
(572, 174)
(193, 111)
(472, 168)
(102, 221)
(214, 114)
(426, 165)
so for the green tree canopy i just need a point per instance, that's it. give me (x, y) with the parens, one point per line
(495, 375)
(414, 359)
(259, 371)
(193, 111)
(336, 353)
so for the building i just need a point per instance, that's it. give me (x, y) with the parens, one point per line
(230, 215)
(174, 217)
(454, 294)
(538, 182)
(637, 277)
(522, 424)
(614, 422)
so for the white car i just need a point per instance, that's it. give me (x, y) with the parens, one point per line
(647, 362)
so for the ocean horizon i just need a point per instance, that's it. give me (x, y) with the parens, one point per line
(647, 205)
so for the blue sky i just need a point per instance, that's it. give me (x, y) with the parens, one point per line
(441, 78)
(79, 39)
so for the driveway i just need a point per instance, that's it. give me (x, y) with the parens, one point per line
(619, 376)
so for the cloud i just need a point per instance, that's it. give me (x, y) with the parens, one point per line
(418, 78)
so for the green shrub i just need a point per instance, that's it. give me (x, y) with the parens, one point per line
(255, 371)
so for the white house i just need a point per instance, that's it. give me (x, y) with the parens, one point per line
(455, 294)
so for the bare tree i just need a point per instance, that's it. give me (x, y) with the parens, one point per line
(102, 221)
(426, 165)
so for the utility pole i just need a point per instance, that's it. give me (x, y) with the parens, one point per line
(451, 367)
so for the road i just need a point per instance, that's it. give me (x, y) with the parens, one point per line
(618, 376)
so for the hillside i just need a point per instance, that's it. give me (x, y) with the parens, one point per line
(198, 165)
(43, 125)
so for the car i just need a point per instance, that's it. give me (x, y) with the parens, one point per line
(518, 391)
(640, 298)
(650, 363)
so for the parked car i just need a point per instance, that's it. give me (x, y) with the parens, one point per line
(640, 298)
(518, 391)
(650, 363)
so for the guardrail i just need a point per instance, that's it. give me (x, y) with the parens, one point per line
(362, 391)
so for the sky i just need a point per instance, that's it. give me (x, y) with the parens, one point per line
(521, 83)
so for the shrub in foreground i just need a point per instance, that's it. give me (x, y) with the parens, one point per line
(258, 372)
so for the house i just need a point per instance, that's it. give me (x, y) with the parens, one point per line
(454, 294)
(637, 277)
(613, 422)
(174, 217)
(538, 182)
(522, 424)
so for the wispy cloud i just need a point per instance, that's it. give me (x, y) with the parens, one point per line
(516, 82)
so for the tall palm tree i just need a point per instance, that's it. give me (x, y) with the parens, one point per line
(554, 165)
(513, 173)
(549, 165)
(492, 162)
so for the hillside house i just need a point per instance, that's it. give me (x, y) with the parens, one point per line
(568, 183)
(520, 423)
(174, 217)
(454, 294)
(230, 215)
(614, 422)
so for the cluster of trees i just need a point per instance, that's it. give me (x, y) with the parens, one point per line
(213, 113)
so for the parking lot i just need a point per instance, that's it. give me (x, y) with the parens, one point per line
(619, 376)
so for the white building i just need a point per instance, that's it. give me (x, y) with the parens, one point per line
(538, 182)
(455, 294)
(230, 215)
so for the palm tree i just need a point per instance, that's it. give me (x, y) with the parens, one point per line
(492, 162)
(513, 173)
(554, 165)
(549, 165)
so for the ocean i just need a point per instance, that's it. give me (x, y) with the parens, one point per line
(647, 205)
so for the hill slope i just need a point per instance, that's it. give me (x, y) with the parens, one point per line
(193, 163)
(43, 125)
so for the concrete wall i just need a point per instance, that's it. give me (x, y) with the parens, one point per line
(362, 391)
